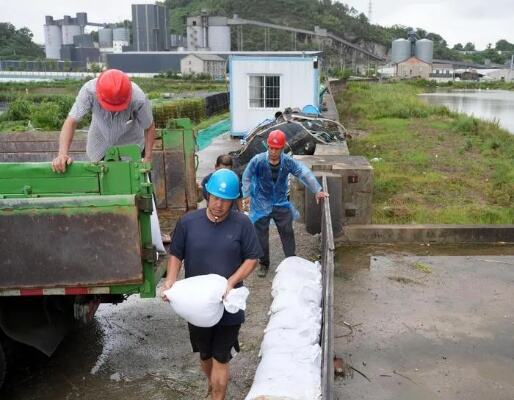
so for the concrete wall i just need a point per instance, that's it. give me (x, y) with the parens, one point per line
(299, 86)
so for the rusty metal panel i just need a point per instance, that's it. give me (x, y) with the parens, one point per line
(44, 247)
(175, 179)
(191, 187)
(159, 179)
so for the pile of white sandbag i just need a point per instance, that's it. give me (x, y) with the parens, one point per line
(290, 366)
(200, 300)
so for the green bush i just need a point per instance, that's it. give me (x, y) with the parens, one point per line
(194, 109)
(64, 103)
(47, 116)
(153, 95)
(13, 126)
(19, 109)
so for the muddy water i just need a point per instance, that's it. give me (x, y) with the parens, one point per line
(428, 322)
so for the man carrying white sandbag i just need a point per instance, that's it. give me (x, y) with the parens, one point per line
(215, 240)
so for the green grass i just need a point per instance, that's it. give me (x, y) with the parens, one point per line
(211, 121)
(430, 165)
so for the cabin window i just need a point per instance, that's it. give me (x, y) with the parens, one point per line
(264, 91)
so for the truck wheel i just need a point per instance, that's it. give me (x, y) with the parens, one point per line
(3, 365)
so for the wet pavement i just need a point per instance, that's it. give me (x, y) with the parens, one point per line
(207, 157)
(139, 349)
(427, 322)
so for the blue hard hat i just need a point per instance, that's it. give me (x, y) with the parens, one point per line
(224, 184)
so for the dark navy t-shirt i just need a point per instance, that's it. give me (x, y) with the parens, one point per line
(220, 248)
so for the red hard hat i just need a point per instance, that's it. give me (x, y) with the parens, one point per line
(113, 90)
(277, 139)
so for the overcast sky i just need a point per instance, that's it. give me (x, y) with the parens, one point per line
(477, 21)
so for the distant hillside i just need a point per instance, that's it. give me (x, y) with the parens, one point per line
(17, 44)
(334, 16)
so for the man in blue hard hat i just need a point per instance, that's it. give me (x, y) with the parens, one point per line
(222, 161)
(215, 240)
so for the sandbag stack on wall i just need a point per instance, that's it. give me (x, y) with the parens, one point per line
(290, 366)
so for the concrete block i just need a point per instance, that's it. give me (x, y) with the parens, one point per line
(357, 184)
(313, 210)
(332, 149)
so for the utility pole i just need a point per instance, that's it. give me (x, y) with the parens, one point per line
(370, 10)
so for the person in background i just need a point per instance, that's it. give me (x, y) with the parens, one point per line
(121, 114)
(223, 161)
(265, 194)
(215, 240)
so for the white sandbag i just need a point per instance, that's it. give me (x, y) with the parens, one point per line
(300, 267)
(235, 300)
(199, 299)
(156, 230)
(294, 276)
(296, 318)
(287, 340)
(285, 375)
(290, 367)
(293, 285)
(303, 297)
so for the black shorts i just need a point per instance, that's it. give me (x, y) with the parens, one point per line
(216, 342)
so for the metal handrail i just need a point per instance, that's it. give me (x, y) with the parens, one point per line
(327, 333)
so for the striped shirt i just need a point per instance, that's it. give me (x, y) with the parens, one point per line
(109, 129)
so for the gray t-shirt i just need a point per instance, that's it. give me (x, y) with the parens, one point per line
(112, 128)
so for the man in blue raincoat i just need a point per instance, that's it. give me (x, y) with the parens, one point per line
(265, 192)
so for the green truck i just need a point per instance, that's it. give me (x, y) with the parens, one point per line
(69, 242)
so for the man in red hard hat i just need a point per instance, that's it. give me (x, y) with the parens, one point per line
(265, 192)
(121, 114)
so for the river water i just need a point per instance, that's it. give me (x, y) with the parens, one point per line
(497, 105)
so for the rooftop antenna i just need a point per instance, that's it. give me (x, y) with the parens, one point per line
(370, 10)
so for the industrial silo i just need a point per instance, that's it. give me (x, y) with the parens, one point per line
(69, 29)
(105, 38)
(425, 50)
(120, 38)
(53, 41)
(196, 31)
(401, 50)
(121, 35)
(218, 34)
